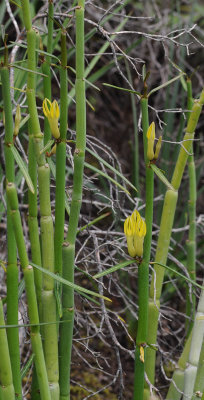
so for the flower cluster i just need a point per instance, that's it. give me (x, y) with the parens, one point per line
(151, 154)
(52, 112)
(135, 231)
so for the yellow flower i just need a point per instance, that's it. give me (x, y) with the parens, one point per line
(151, 155)
(52, 112)
(128, 229)
(135, 231)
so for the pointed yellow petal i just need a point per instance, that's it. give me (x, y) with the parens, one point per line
(128, 227)
(151, 131)
(131, 247)
(46, 109)
(56, 110)
(158, 147)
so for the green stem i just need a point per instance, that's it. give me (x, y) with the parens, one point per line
(46, 68)
(35, 391)
(92, 32)
(66, 329)
(6, 378)
(26, 14)
(33, 214)
(199, 382)
(195, 349)
(178, 375)
(48, 297)
(30, 293)
(97, 57)
(191, 241)
(33, 219)
(135, 179)
(61, 160)
(168, 213)
(143, 268)
(12, 269)
(32, 202)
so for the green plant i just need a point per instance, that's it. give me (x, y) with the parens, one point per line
(77, 197)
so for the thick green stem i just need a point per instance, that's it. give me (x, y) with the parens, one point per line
(66, 329)
(61, 160)
(195, 349)
(199, 382)
(187, 142)
(33, 221)
(12, 269)
(46, 68)
(165, 234)
(30, 293)
(176, 386)
(177, 382)
(26, 14)
(48, 298)
(97, 57)
(6, 378)
(143, 268)
(32, 197)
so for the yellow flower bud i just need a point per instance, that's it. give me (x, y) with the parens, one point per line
(129, 233)
(17, 120)
(135, 231)
(158, 147)
(150, 141)
(51, 111)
